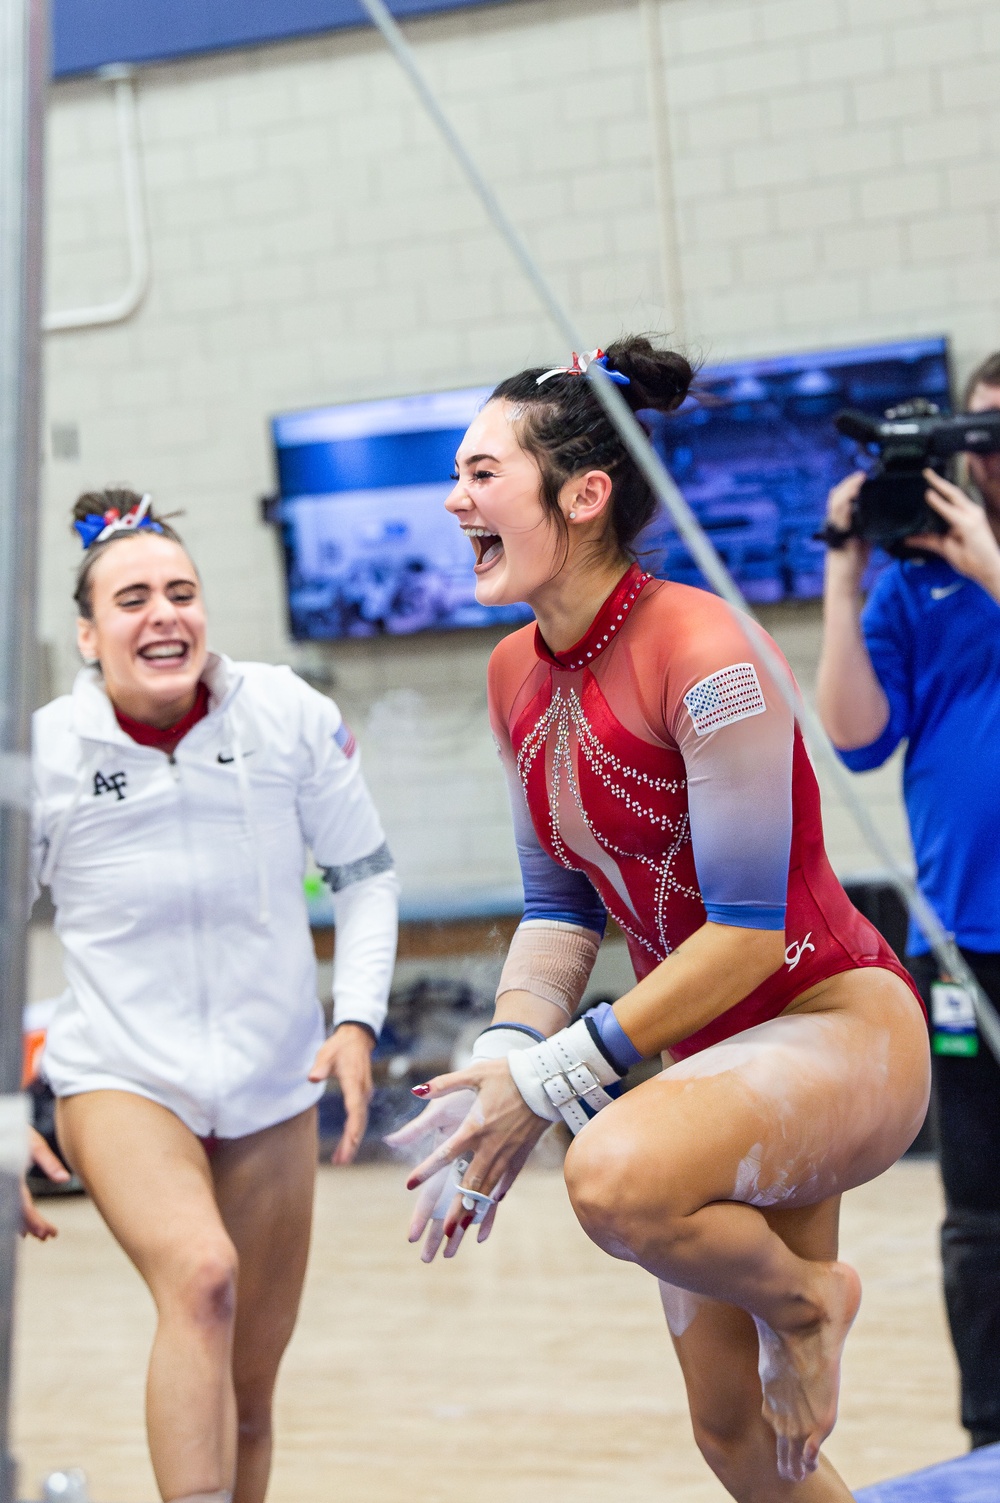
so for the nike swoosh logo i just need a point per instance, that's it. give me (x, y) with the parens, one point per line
(940, 592)
(224, 760)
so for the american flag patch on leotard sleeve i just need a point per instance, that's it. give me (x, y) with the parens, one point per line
(344, 738)
(724, 697)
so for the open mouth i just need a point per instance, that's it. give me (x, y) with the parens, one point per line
(165, 654)
(488, 547)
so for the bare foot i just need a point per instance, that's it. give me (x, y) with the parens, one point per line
(800, 1372)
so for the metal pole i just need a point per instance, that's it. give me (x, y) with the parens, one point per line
(948, 955)
(23, 79)
(663, 172)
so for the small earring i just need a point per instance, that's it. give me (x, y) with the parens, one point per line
(572, 516)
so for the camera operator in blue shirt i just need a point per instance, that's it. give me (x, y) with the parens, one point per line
(920, 662)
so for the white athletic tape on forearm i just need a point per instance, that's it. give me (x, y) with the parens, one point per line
(551, 960)
(15, 1114)
(556, 1076)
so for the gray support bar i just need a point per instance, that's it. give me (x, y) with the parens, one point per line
(23, 78)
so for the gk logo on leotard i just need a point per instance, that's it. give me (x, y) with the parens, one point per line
(797, 949)
(113, 783)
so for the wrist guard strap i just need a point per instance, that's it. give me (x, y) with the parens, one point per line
(565, 1076)
(551, 960)
(497, 1041)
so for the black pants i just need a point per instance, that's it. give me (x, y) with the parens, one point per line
(968, 1104)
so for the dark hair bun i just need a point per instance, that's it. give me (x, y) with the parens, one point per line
(658, 379)
(562, 423)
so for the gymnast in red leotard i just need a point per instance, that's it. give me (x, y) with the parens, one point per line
(615, 750)
(656, 773)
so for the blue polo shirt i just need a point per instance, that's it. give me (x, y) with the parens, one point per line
(934, 641)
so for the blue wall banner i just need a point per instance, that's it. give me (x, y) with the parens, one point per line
(90, 34)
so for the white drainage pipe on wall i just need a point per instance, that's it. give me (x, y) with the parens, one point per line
(118, 309)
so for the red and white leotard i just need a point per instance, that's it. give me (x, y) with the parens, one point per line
(655, 772)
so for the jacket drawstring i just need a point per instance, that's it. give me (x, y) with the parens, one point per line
(263, 895)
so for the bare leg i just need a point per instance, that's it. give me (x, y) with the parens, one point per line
(150, 1179)
(264, 1184)
(677, 1176)
(802, 1310)
(717, 1347)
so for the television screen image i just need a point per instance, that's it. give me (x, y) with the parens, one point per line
(755, 453)
(368, 544)
(370, 549)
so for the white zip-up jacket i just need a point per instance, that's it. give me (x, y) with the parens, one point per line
(177, 885)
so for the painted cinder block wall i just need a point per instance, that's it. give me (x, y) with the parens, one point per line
(754, 175)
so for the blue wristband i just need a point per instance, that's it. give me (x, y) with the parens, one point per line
(611, 1038)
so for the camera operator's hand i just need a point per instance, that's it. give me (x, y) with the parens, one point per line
(845, 566)
(969, 544)
(849, 697)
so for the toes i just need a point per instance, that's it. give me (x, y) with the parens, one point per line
(783, 1471)
(793, 1460)
(789, 1469)
(810, 1456)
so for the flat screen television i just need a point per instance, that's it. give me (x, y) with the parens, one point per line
(369, 548)
(755, 453)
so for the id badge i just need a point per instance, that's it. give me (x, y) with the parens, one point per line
(953, 1016)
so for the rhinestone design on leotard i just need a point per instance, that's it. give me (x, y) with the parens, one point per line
(594, 644)
(565, 718)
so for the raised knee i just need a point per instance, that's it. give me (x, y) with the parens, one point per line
(601, 1177)
(207, 1286)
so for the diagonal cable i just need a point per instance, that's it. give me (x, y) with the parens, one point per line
(952, 962)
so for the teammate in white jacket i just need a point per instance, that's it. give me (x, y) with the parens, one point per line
(176, 793)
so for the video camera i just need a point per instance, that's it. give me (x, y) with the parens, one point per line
(890, 506)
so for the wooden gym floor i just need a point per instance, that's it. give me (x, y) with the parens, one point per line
(534, 1368)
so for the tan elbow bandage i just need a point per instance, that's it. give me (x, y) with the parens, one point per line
(551, 960)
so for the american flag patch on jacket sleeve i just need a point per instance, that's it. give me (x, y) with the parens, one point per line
(724, 697)
(344, 738)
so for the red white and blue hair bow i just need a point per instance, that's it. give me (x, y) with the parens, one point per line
(94, 528)
(580, 365)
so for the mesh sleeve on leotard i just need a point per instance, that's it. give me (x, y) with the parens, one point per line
(551, 891)
(736, 736)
